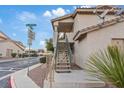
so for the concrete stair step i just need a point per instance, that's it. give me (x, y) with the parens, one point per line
(63, 55)
(63, 59)
(63, 71)
(63, 50)
(63, 63)
(63, 67)
(59, 65)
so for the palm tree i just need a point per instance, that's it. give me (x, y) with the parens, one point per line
(108, 65)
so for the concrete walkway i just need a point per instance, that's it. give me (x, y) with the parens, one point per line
(20, 79)
(75, 79)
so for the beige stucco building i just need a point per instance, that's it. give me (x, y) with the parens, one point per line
(87, 33)
(8, 46)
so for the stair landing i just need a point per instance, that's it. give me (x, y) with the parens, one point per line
(76, 79)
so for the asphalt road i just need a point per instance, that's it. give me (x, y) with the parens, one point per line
(10, 67)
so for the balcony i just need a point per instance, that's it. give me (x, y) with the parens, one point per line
(65, 27)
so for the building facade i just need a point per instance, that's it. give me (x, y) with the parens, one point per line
(9, 46)
(88, 33)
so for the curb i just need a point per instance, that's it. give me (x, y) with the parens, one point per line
(12, 83)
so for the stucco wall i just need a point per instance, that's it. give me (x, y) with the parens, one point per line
(80, 52)
(8, 45)
(82, 21)
(70, 37)
(97, 40)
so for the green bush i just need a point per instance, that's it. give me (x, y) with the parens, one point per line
(108, 66)
(19, 55)
(34, 55)
(24, 55)
(0, 54)
(43, 60)
(13, 55)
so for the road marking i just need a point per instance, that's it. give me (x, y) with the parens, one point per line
(4, 67)
(12, 73)
(8, 70)
(5, 76)
(9, 74)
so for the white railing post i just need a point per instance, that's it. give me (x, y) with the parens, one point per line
(51, 64)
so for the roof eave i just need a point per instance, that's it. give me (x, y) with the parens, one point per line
(97, 27)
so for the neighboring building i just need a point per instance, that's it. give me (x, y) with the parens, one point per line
(8, 46)
(32, 51)
(40, 52)
(87, 33)
(37, 52)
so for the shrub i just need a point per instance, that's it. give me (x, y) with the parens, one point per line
(108, 65)
(0, 54)
(34, 55)
(43, 60)
(13, 55)
(19, 55)
(24, 55)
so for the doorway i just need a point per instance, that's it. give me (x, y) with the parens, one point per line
(9, 52)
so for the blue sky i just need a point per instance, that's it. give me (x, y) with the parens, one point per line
(14, 18)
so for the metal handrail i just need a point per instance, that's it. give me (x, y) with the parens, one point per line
(69, 48)
(56, 50)
(54, 60)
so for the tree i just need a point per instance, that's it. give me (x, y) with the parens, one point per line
(49, 44)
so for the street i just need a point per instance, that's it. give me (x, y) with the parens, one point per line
(10, 67)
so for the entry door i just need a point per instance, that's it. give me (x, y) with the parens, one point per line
(118, 42)
(8, 52)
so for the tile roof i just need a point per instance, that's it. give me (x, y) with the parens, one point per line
(6, 39)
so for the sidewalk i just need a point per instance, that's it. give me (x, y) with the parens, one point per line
(20, 79)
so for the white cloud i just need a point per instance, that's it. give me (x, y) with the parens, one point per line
(83, 6)
(14, 34)
(47, 13)
(74, 7)
(1, 21)
(26, 16)
(56, 12)
(86, 6)
(42, 43)
(68, 10)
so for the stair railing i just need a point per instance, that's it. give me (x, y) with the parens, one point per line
(56, 50)
(69, 48)
(52, 64)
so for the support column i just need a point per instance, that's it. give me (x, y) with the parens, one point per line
(55, 35)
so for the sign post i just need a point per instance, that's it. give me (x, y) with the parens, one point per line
(31, 37)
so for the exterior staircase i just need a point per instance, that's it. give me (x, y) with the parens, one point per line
(63, 61)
